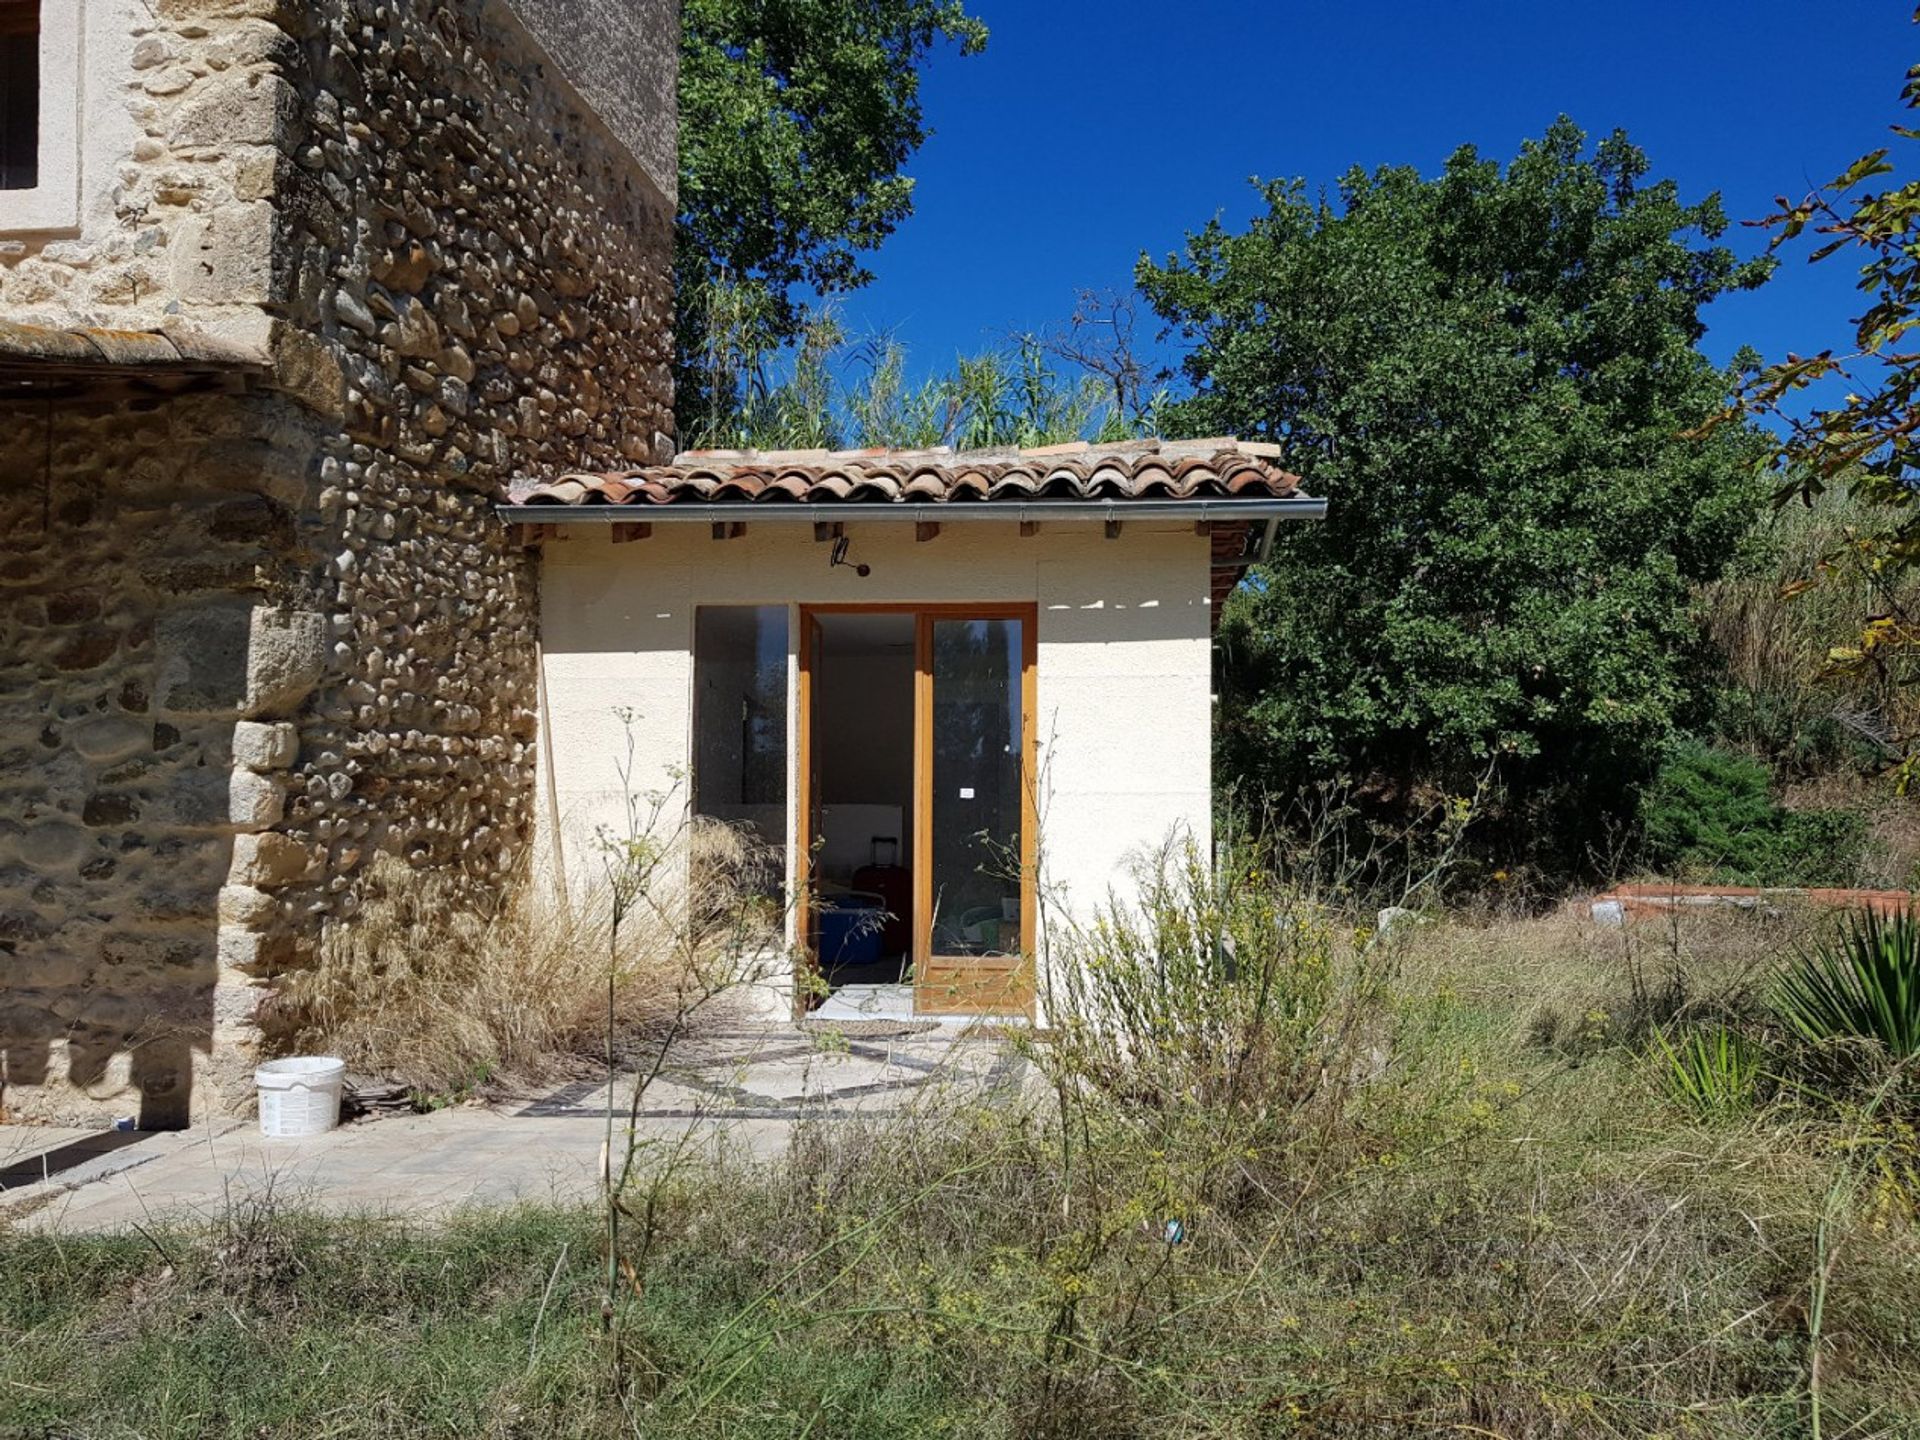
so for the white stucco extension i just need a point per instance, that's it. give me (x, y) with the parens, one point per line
(1123, 666)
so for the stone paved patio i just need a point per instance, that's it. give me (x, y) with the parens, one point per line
(738, 1087)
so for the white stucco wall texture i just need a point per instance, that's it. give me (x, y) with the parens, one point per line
(1123, 684)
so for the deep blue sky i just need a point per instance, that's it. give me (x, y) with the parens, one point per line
(1088, 132)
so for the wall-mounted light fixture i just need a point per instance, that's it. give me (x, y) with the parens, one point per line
(839, 556)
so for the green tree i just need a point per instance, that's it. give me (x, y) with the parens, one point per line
(1710, 815)
(796, 118)
(1486, 373)
(1868, 444)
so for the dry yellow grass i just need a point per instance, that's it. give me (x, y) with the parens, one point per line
(442, 988)
(1561, 980)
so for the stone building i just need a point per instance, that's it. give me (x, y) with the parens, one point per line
(289, 291)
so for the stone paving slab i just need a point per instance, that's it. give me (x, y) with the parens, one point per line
(744, 1088)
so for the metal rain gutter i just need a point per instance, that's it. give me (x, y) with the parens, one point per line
(1298, 507)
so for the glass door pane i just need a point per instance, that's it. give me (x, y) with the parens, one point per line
(977, 787)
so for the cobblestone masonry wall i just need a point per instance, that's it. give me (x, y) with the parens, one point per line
(459, 277)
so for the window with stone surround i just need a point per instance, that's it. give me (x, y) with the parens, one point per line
(41, 80)
(19, 94)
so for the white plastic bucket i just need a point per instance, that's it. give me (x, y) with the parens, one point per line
(300, 1096)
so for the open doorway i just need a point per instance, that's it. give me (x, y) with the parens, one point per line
(862, 741)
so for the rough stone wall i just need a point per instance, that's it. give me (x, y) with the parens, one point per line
(179, 173)
(490, 272)
(460, 276)
(136, 543)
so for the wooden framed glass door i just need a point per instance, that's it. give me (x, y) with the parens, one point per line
(806, 990)
(974, 850)
(973, 823)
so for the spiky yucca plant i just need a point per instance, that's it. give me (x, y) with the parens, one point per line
(1713, 1073)
(1862, 983)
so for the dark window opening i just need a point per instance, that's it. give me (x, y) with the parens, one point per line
(19, 94)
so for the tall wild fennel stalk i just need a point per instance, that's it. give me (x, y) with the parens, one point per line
(696, 885)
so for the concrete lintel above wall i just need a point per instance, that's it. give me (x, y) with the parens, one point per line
(622, 59)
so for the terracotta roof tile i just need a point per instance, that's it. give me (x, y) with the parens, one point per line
(54, 360)
(1217, 468)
